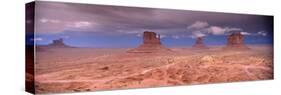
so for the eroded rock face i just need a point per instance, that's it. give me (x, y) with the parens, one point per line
(151, 38)
(199, 44)
(151, 44)
(236, 41)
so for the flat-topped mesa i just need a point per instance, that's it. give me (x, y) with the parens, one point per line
(55, 44)
(151, 38)
(199, 44)
(236, 41)
(151, 44)
(58, 43)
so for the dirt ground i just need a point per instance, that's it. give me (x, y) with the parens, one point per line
(92, 69)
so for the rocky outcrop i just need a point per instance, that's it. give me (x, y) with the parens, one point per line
(58, 43)
(236, 41)
(55, 44)
(199, 44)
(151, 44)
(151, 38)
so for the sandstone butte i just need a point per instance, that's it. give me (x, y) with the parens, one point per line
(199, 44)
(235, 41)
(151, 44)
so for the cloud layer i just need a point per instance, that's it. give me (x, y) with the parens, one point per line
(53, 18)
(202, 28)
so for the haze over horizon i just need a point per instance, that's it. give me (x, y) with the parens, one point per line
(86, 25)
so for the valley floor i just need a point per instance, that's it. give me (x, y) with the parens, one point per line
(91, 69)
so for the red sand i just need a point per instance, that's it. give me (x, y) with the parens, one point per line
(85, 69)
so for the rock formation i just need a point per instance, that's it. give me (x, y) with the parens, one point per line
(58, 43)
(199, 44)
(150, 38)
(151, 44)
(55, 44)
(236, 41)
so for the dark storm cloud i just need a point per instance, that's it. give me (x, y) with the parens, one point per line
(52, 17)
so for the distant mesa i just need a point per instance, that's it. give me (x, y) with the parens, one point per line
(199, 44)
(58, 43)
(236, 41)
(151, 44)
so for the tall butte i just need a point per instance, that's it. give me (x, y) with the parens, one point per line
(236, 41)
(199, 44)
(151, 44)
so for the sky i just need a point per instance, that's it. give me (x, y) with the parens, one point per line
(87, 25)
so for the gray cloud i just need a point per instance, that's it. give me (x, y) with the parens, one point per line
(52, 17)
(262, 33)
(202, 28)
(198, 25)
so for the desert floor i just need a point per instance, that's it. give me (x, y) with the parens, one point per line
(92, 69)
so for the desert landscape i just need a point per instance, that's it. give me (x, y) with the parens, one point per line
(73, 47)
(66, 69)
